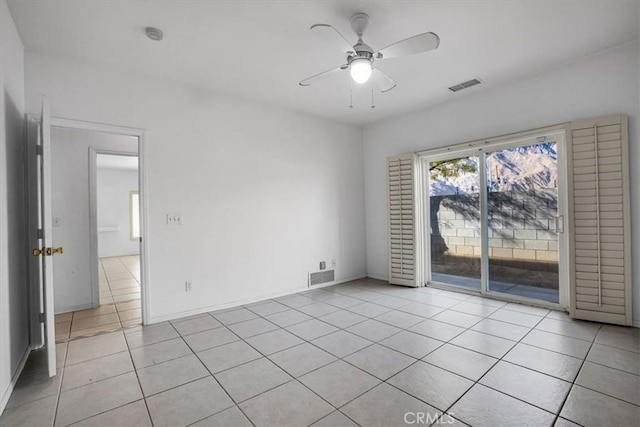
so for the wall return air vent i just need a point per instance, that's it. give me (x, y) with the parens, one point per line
(320, 277)
(465, 85)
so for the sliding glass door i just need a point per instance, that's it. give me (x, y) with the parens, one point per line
(494, 220)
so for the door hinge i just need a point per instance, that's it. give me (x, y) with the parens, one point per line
(39, 150)
(41, 317)
(40, 233)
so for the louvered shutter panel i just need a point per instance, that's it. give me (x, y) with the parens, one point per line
(599, 211)
(402, 247)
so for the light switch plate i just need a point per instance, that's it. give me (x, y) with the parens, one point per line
(174, 219)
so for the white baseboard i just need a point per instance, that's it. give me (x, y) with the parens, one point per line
(636, 324)
(14, 380)
(173, 316)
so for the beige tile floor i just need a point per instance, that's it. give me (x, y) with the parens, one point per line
(362, 353)
(119, 281)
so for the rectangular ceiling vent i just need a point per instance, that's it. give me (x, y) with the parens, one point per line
(465, 85)
(320, 277)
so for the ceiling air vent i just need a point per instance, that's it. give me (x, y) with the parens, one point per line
(464, 85)
(321, 277)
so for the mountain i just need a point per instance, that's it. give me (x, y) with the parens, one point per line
(515, 169)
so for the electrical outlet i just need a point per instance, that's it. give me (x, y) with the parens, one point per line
(174, 219)
(323, 265)
(333, 263)
(55, 221)
(187, 286)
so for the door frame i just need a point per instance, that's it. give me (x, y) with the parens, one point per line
(141, 134)
(480, 148)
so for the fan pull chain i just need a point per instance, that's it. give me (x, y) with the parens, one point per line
(373, 103)
(350, 94)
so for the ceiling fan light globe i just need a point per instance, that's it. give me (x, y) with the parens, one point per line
(360, 70)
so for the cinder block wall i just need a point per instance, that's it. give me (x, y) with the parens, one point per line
(521, 228)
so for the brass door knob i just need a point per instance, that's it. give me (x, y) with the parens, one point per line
(37, 251)
(59, 250)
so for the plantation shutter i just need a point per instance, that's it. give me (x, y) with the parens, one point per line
(599, 211)
(402, 239)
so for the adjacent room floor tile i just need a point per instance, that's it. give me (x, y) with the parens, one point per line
(159, 352)
(193, 326)
(189, 403)
(461, 361)
(273, 341)
(267, 307)
(288, 318)
(369, 309)
(84, 402)
(559, 343)
(533, 387)
(94, 347)
(38, 413)
(612, 382)
(209, 339)
(151, 334)
(166, 375)
(411, 344)
(545, 361)
(342, 319)
(373, 330)
(431, 384)
(516, 317)
(589, 408)
(483, 343)
(457, 318)
(399, 319)
(235, 316)
(341, 343)
(482, 406)
(386, 406)
(274, 407)
(335, 419)
(232, 417)
(133, 414)
(227, 356)
(438, 330)
(95, 370)
(301, 359)
(252, 327)
(339, 382)
(251, 379)
(380, 361)
(311, 329)
(617, 358)
(575, 329)
(501, 329)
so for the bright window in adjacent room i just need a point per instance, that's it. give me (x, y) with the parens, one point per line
(134, 214)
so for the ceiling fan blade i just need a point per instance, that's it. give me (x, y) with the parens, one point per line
(332, 35)
(417, 44)
(321, 76)
(383, 81)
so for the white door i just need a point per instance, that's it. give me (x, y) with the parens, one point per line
(45, 249)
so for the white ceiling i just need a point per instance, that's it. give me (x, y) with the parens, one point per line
(111, 161)
(260, 49)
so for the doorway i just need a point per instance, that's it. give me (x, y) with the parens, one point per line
(495, 220)
(93, 293)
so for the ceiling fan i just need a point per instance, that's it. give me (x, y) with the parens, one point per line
(361, 57)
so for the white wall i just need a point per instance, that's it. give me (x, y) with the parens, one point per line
(113, 192)
(600, 85)
(72, 275)
(265, 193)
(14, 320)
